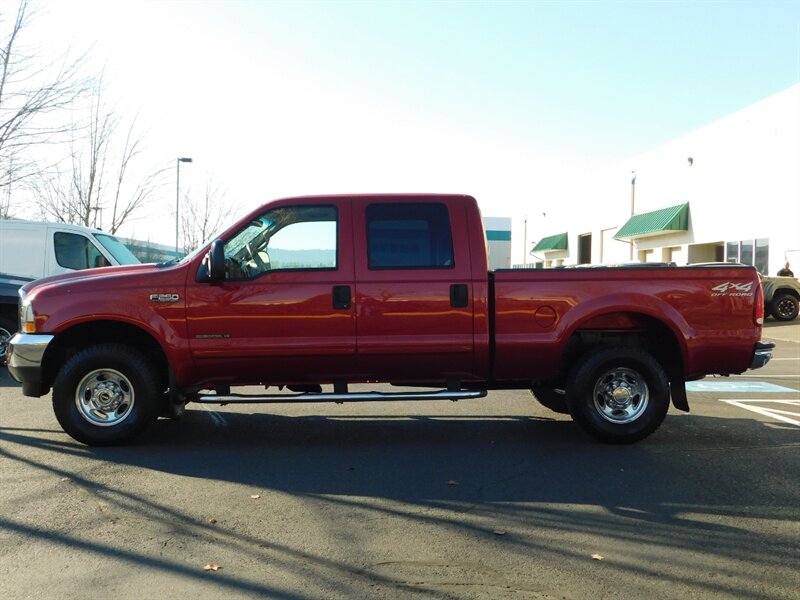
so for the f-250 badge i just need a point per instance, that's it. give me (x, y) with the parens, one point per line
(164, 297)
(732, 289)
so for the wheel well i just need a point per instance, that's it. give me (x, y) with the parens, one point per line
(624, 329)
(81, 336)
(790, 291)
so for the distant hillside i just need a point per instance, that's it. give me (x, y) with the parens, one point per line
(306, 259)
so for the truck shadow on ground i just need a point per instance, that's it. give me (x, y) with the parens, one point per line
(534, 477)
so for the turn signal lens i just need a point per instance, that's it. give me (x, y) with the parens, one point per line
(27, 319)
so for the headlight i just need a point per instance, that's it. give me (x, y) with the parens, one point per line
(27, 319)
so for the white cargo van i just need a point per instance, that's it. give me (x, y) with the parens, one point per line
(32, 250)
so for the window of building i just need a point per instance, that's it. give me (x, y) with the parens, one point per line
(749, 252)
(75, 251)
(409, 236)
(746, 252)
(761, 260)
(585, 249)
(732, 252)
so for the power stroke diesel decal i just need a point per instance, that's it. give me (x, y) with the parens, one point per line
(732, 289)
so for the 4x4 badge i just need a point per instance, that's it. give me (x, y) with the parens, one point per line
(733, 289)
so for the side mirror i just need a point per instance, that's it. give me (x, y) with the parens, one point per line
(213, 268)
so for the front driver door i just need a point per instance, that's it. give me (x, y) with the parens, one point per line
(284, 312)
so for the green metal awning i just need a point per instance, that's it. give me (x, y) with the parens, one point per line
(658, 222)
(553, 242)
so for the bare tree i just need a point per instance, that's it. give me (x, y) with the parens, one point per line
(95, 144)
(125, 204)
(34, 92)
(89, 158)
(204, 216)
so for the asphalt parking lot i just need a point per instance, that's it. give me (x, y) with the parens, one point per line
(494, 498)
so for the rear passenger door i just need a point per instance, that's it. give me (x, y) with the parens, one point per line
(414, 311)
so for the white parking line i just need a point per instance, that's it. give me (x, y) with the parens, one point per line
(762, 376)
(773, 413)
(217, 418)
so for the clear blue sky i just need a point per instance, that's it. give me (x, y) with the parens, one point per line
(501, 100)
(617, 77)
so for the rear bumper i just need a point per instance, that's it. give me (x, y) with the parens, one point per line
(25, 355)
(762, 354)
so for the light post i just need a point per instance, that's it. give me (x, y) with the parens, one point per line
(525, 245)
(178, 200)
(633, 203)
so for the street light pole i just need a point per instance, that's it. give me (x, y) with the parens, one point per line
(633, 201)
(525, 245)
(178, 200)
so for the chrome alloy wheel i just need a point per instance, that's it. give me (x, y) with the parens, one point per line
(621, 395)
(104, 397)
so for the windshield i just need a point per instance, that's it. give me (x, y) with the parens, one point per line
(117, 249)
(253, 235)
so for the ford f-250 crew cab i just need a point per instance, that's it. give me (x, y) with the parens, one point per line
(336, 290)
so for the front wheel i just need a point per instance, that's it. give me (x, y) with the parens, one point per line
(618, 394)
(784, 307)
(105, 395)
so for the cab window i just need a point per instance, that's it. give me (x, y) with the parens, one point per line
(284, 239)
(409, 236)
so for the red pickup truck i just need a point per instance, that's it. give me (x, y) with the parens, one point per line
(337, 290)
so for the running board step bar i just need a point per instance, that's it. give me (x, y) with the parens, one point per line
(338, 398)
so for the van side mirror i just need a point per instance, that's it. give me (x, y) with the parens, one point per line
(213, 268)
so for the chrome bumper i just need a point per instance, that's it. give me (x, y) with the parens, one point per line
(25, 354)
(762, 354)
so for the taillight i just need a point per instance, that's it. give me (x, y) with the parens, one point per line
(758, 309)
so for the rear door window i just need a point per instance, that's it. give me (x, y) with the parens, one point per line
(409, 236)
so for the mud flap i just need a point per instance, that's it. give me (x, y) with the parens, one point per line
(677, 389)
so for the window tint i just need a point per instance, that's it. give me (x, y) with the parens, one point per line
(409, 236)
(74, 251)
(294, 237)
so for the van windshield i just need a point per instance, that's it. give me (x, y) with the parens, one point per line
(117, 249)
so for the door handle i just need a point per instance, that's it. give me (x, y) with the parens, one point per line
(459, 295)
(341, 297)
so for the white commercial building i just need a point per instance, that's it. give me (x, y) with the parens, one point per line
(729, 191)
(498, 241)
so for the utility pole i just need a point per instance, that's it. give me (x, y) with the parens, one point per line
(633, 204)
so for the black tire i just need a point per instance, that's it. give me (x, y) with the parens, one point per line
(106, 395)
(554, 399)
(784, 307)
(7, 329)
(618, 394)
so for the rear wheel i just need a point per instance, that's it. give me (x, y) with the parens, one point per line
(784, 307)
(552, 398)
(105, 395)
(618, 394)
